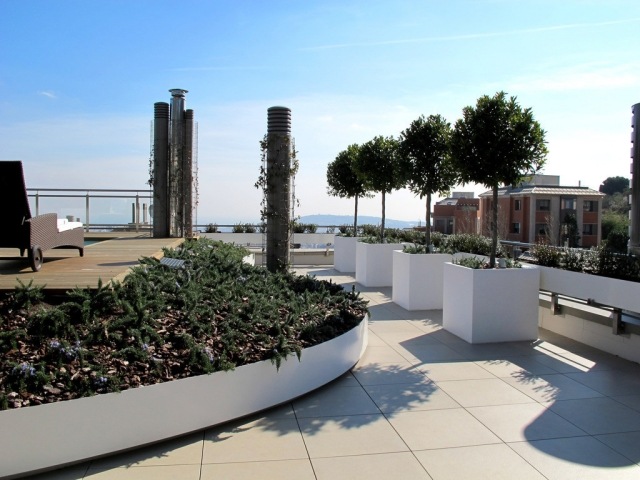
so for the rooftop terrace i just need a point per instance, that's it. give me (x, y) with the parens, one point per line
(422, 404)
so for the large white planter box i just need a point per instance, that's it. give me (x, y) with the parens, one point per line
(46, 436)
(418, 280)
(344, 253)
(607, 291)
(493, 305)
(374, 263)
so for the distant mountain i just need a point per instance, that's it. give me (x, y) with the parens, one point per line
(348, 220)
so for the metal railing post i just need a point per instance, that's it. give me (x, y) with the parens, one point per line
(137, 213)
(86, 215)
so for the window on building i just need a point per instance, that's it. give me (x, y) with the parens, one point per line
(590, 229)
(517, 205)
(541, 229)
(515, 227)
(590, 206)
(543, 205)
(568, 204)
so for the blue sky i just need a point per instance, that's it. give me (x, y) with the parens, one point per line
(79, 80)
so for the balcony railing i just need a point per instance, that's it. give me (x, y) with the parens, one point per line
(140, 210)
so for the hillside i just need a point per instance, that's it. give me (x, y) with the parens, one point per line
(348, 220)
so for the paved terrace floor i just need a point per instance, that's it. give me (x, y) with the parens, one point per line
(422, 404)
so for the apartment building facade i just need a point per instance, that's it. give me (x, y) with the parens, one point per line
(542, 210)
(456, 214)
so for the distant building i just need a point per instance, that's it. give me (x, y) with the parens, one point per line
(541, 210)
(456, 214)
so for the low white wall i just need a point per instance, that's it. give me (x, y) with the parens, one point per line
(590, 333)
(245, 239)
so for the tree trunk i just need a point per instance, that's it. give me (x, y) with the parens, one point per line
(494, 227)
(355, 219)
(382, 226)
(427, 232)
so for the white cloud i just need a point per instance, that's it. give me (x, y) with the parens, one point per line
(48, 94)
(591, 76)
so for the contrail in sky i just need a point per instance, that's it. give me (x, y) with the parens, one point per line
(471, 36)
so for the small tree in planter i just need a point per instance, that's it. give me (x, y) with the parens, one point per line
(425, 151)
(378, 165)
(344, 182)
(495, 143)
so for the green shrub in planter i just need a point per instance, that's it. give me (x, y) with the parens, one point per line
(547, 255)
(238, 228)
(249, 228)
(438, 239)
(160, 324)
(369, 230)
(470, 243)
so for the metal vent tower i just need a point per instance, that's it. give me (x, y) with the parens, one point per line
(173, 167)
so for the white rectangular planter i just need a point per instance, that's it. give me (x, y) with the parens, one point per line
(344, 253)
(374, 263)
(492, 305)
(607, 291)
(418, 280)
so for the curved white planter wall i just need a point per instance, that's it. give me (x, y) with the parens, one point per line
(46, 436)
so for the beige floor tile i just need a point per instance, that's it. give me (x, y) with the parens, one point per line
(609, 382)
(374, 340)
(482, 462)
(180, 451)
(564, 362)
(430, 321)
(485, 391)
(380, 356)
(413, 336)
(441, 429)
(277, 470)
(583, 458)
(517, 367)
(258, 440)
(401, 466)
(352, 435)
(333, 401)
(421, 353)
(439, 372)
(631, 401)
(395, 328)
(524, 422)
(628, 444)
(76, 472)
(598, 415)
(167, 472)
(388, 374)
(490, 351)
(410, 397)
(551, 388)
(346, 380)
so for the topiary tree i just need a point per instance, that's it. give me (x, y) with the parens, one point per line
(343, 180)
(425, 151)
(495, 143)
(378, 165)
(613, 185)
